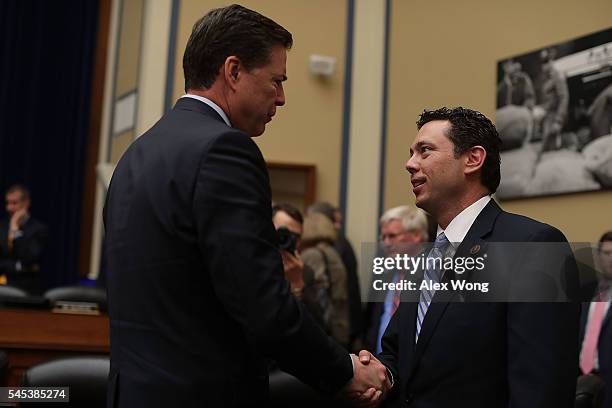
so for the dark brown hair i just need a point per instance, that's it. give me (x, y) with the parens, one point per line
(469, 128)
(227, 31)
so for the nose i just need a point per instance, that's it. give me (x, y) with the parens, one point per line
(412, 164)
(280, 96)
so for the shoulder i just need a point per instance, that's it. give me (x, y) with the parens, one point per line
(35, 225)
(312, 254)
(520, 228)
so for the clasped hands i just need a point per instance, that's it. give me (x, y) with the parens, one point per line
(370, 383)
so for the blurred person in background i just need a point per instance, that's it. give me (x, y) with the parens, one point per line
(288, 221)
(318, 253)
(345, 249)
(22, 242)
(596, 322)
(402, 230)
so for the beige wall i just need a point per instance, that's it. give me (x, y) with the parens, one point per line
(444, 53)
(308, 129)
(129, 47)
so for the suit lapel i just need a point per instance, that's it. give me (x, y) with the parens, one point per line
(481, 227)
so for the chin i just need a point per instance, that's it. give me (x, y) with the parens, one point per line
(258, 132)
(419, 202)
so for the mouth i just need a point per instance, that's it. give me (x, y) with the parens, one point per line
(417, 184)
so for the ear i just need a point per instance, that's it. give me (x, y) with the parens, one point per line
(231, 71)
(474, 159)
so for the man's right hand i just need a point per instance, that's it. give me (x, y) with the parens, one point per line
(17, 219)
(370, 383)
(294, 272)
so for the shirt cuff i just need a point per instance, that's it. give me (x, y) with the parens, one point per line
(391, 380)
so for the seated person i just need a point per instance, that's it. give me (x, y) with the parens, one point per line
(22, 242)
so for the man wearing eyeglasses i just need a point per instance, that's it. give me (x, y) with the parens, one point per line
(402, 230)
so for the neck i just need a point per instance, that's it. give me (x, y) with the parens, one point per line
(446, 214)
(214, 94)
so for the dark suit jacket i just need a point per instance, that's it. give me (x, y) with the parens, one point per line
(27, 250)
(604, 349)
(487, 354)
(374, 312)
(197, 294)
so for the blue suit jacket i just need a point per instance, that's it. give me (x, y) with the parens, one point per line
(487, 354)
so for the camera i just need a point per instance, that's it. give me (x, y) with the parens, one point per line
(287, 240)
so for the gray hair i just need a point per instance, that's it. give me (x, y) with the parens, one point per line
(412, 219)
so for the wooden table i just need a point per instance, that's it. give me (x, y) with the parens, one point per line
(30, 337)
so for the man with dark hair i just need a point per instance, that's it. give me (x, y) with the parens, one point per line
(22, 242)
(197, 296)
(445, 351)
(288, 222)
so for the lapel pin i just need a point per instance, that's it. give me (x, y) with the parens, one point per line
(475, 249)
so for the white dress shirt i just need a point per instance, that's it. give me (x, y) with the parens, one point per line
(458, 228)
(212, 105)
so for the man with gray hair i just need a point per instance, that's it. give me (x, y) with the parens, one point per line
(402, 230)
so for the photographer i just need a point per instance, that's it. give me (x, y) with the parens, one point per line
(288, 223)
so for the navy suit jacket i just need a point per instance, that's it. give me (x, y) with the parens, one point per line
(197, 294)
(604, 349)
(487, 354)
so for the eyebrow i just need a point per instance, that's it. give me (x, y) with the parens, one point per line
(419, 144)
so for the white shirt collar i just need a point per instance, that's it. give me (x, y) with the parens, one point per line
(461, 224)
(212, 105)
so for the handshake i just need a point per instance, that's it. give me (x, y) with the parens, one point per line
(370, 383)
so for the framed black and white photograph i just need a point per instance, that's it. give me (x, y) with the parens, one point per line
(554, 116)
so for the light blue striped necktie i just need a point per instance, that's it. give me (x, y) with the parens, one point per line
(433, 275)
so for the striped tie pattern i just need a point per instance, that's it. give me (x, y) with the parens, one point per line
(433, 275)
